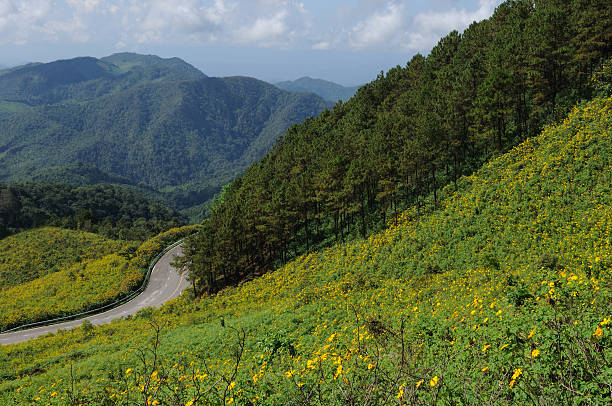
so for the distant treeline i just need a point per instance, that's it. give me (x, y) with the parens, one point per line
(405, 135)
(112, 211)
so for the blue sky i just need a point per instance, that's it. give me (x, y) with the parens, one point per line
(348, 42)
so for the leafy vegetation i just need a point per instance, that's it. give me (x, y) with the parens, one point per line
(87, 78)
(113, 211)
(493, 289)
(327, 90)
(128, 62)
(404, 136)
(73, 284)
(32, 254)
(500, 294)
(157, 124)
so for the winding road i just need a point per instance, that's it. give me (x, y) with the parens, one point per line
(164, 284)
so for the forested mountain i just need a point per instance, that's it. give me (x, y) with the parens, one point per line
(502, 295)
(405, 135)
(113, 211)
(85, 78)
(128, 62)
(160, 124)
(328, 90)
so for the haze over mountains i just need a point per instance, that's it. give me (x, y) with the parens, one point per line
(158, 124)
(327, 90)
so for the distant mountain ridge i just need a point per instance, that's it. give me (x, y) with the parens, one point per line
(328, 90)
(126, 61)
(86, 78)
(140, 120)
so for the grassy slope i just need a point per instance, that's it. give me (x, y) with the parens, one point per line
(89, 272)
(34, 253)
(502, 295)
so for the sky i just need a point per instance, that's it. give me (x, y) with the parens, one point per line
(345, 41)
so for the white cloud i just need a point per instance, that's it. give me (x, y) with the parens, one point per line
(389, 25)
(84, 5)
(322, 46)
(380, 28)
(274, 23)
(161, 19)
(259, 22)
(264, 29)
(27, 21)
(358, 24)
(430, 26)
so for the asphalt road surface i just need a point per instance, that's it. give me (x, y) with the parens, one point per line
(164, 284)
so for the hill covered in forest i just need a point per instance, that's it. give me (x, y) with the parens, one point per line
(158, 123)
(110, 210)
(86, 78)
(442, 237)
(406, 135)
(501, 293)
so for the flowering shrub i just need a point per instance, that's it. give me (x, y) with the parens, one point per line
(89, 272)
(517, 311)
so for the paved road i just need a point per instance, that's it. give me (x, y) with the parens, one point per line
(165, 284)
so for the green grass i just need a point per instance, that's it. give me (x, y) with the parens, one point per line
(88, 272)
(500, 295)
(32, 254)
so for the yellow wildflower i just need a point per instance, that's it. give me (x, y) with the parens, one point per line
(338, 371)
(400, 393)
(434, 381)
(598, 332)
(535, 353)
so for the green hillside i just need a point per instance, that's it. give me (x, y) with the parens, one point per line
(36, 83)
(404, 136)
(113, 211)
(154, 123)
(87, 78)
(500, 295)
(328, 90)
(31, 254)
(127, 62)
(443, 237)
(51, 272)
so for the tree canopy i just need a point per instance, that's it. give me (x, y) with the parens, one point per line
(403, 136)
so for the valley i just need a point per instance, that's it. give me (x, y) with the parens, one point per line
(157, 126)
(438, 236)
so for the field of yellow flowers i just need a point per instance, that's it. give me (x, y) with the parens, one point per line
(38, 252)
(52, 272)
(500, 296)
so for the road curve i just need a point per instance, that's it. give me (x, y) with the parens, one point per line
(164, 284)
